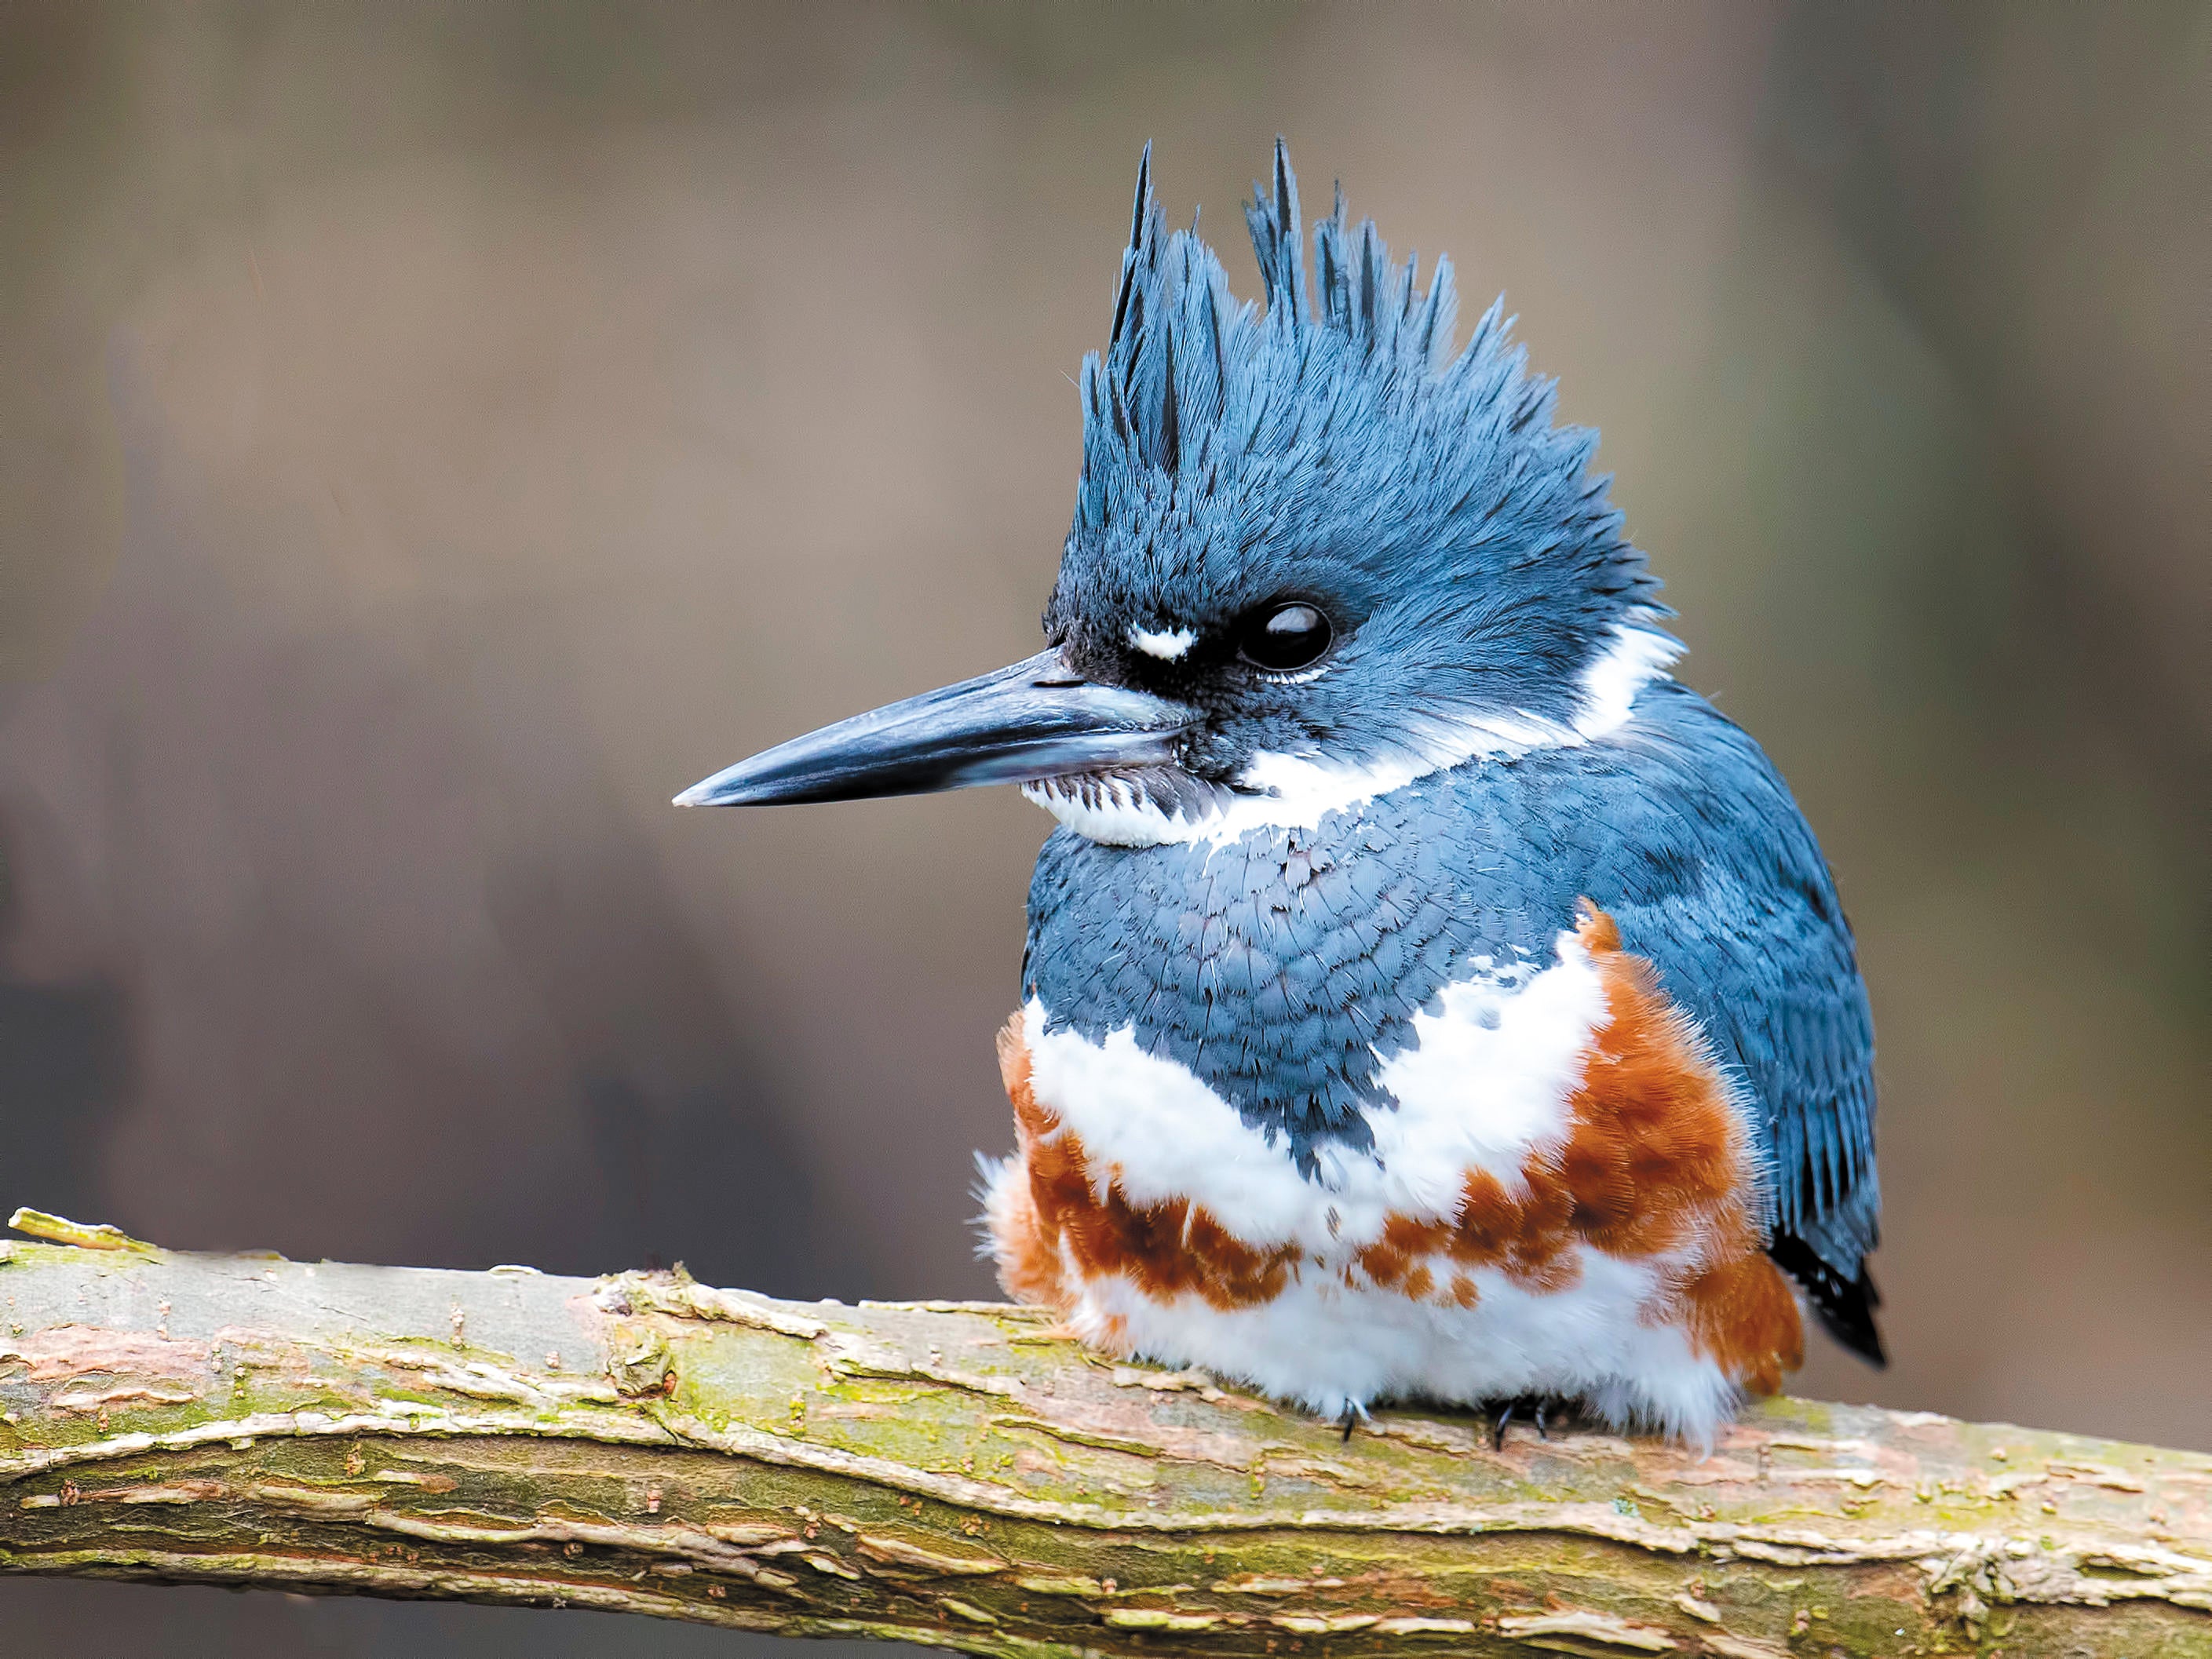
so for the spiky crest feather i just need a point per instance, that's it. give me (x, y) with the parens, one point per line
(1192, 378)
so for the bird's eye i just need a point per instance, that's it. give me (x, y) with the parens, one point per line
(1284, 637)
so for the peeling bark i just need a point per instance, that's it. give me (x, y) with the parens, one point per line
(956, 1474)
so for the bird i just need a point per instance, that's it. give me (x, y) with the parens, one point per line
(1426, 996)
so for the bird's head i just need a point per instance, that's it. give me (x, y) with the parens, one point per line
(1316, 554)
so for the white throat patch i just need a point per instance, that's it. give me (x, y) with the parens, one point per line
(1291, 791)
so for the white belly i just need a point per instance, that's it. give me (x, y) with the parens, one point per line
(1330, 1346)
(1486, 1092)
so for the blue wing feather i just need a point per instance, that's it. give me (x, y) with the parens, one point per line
(1748, 935)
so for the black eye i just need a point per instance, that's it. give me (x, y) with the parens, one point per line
(1284, 637)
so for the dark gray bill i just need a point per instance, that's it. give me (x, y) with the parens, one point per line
(1038, 719)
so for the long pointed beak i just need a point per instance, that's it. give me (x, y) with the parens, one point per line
(1038, 719)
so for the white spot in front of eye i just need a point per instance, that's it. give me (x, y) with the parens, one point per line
(1167, 647)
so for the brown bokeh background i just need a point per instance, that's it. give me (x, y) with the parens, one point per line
(430, 436)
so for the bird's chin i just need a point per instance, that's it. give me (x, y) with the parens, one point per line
(1142, 806)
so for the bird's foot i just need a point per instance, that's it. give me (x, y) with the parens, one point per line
(1354, 1414)
(1541, 1409)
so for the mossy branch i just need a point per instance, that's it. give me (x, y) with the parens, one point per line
(956, 1474)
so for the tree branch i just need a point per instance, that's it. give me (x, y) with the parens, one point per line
(956, 1474)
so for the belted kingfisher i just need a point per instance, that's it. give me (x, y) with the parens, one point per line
(1426, 995)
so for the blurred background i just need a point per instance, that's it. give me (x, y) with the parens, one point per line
(431, 435)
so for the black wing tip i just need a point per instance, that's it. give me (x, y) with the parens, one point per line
(1851, 1322)
(1846, 1305)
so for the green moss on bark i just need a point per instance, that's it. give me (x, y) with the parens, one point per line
(956, 1475)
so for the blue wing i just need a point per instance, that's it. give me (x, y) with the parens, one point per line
(1726, 892)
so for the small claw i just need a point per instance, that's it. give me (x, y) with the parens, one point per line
(1499, 1417)
(1542, 1431)
(1354, 1414)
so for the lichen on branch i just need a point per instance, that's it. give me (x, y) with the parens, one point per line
(959, 1474)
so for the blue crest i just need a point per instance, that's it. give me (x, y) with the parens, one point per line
(1337, 447)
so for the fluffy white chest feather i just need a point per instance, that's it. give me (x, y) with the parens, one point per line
(1457, 1259)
